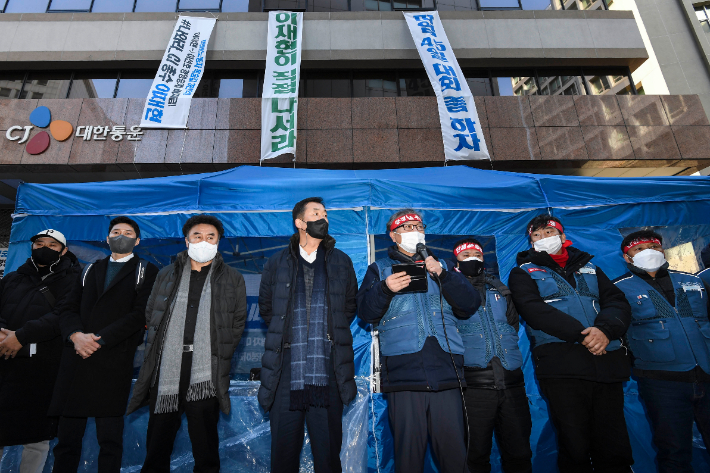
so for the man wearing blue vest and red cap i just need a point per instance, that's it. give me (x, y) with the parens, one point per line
(495, 394)
(575, 317)
(421, 350)
(669, 338)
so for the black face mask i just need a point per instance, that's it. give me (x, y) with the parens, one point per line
(121, 244)
(45, 256)
(471, 268)
(317, 229)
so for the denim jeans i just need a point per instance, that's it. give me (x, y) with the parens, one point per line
(672, 406)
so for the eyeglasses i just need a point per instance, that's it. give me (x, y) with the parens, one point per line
(410, 227)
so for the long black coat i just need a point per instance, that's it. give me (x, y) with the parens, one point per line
(99, 386)
(26, 383)
(275, 295)
(228, 316)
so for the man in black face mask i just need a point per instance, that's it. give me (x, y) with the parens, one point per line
(30, 346)
(102, 323)
(307, 298)
(495, 395)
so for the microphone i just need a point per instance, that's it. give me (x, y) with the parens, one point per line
(421, 249)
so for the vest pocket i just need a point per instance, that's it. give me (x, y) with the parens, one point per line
(650, 341)
(474, 349)
(513, 356)
(704, 327)
(399, 334)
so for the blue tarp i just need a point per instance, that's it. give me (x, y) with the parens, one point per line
(255, 204)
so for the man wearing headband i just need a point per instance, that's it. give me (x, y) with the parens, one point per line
(418, 350)
(575, 318)
(495, 392)
(669, 338)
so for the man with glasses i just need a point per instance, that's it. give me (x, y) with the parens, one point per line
(421, 350)
(575, 318)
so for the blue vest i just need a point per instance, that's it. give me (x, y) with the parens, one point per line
(411, 318)
(581, 303)
(705, 276)
(663, 337)
(487, 334)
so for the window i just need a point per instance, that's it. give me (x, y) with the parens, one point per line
(198, 5)
(26, 6)
(374, 84)
(580, 4)
(326, 84)
(52, 85)
(92, 85)
(135, 84)
(112, 6)
(69, 5)
(155, 5)
(2, 5)
(499, 4)
(11, 85)
(239, 6)
(703, 15)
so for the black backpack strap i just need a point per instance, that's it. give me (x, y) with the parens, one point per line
(140, 272)
(44, 290)
(500, 287)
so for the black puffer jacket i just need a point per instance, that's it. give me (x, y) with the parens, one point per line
(572, 359)
(227, 319)
(278, 282)
(26, 383)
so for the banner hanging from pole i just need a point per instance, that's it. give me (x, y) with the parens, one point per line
(279, 100)
(460, 128)
(179, 74)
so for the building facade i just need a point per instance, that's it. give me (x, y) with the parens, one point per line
(585, 87)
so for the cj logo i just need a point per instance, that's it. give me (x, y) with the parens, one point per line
(40, 117)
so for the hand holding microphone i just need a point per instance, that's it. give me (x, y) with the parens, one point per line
(432, 265)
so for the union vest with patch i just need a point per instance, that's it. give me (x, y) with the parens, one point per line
(487, 334)
(663, 337)
(411, 318)
(581, 303)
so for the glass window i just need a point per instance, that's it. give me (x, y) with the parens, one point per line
(415, 84)
(11, 84)
(480, 86)
(238, 6)
(52, 85)
(70, 5)
(91, 85)
(234, 84)
(539, 4)
(289, 5)
(374, 84)
(499, 4)
(26, 6)
(561, 85)
(326, 84)
(378, 5)
(135, 84)
(328, 5)
(581, 5)
(198, 5)
(609, 85)
(112, 6)
(413, 4)
(519, 82)
(2, 5)
(155, 5)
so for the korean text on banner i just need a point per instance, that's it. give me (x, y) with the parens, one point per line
(179, 74)
(460, 128)
(279, 101)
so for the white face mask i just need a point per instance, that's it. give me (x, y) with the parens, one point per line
(649, 260)
(202, 252)
(549, 245)
(410, 241)
(473, 258)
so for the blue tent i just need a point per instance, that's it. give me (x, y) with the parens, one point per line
(255, 203)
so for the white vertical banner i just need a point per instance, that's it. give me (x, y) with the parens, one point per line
(279, 100)
(179, 74)
(460, 128)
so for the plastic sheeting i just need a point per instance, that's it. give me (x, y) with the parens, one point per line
(255, 204)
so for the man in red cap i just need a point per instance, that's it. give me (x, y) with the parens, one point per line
(575, 318)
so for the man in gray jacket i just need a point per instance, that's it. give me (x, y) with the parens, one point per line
(196, 315)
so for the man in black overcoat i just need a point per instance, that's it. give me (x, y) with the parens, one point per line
(102, 323)
(31, 345)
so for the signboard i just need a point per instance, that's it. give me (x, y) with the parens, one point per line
(460, 128)
(279, 102)
(179, 74)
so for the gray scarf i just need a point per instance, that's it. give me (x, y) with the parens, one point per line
(201, 386)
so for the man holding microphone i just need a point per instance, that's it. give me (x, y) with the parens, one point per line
(421, 350)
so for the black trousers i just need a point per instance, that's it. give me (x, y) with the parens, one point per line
(590, 424)
(506, 413)
(202, 418)
(109, 433)
(325, 427)
(416, 416)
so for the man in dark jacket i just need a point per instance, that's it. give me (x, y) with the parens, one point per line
(307, 298)
(574, 319)
(669, 338)
(102, 323)
(196, 315)
(421, 355)
(495, 394)
(31, 346)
